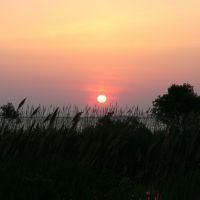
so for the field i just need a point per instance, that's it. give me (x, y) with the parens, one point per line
(102, 154)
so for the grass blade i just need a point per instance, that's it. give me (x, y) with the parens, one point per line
(21, 103)
(35, 111)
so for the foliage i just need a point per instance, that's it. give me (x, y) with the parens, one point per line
(107, 157)
(9, 112)
(175, 106)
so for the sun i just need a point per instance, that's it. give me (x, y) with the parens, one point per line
(101, 98)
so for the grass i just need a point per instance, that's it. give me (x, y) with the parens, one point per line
(98, 154)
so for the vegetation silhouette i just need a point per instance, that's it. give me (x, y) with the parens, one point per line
(116, 157)
(175, 107)
(8, 111)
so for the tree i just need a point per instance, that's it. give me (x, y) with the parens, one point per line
(8, 111)
(175, 106)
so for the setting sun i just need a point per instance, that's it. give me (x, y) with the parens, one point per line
(101, 98)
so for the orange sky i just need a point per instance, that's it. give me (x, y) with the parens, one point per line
(63, 51)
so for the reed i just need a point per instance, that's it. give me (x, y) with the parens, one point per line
(96, 153)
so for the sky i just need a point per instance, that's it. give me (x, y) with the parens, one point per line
(68, 52)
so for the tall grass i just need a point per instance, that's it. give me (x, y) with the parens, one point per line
(97, 153)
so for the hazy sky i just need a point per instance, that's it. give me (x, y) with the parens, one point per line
(64, 51)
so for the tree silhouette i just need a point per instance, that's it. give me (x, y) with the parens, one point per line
(8, 111)
(175, 106)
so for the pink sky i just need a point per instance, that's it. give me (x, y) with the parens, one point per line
(62, 51)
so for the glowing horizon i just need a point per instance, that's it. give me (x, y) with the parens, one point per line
(70, 51)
